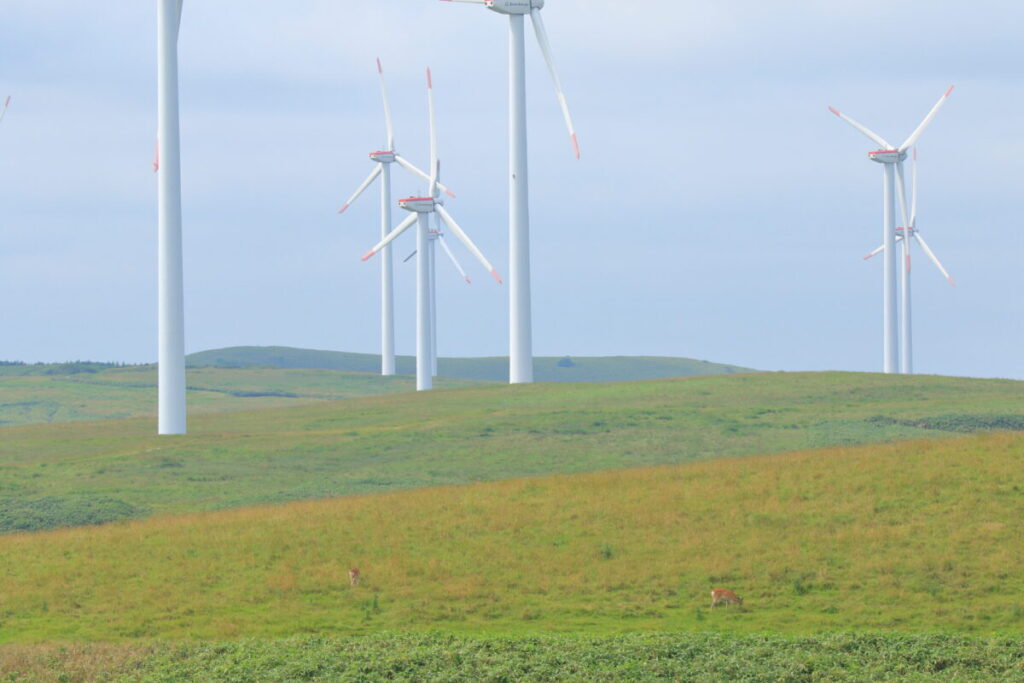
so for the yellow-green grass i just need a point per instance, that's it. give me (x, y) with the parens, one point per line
(127, 392)
(67, 474)
(923, 536)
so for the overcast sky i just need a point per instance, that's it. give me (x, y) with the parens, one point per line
(719, 211)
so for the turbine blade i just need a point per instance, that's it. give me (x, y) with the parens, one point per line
(180, 6)
(927, 121)
(402, 227)
(876, 252)
(934, 259)
(387, 107)
(475, 2)
(362, 188)
(878, 139)
(464, 238)
(3, 111)
(409, 257)
(545, 47)
(451, 256)
(433, 126)
(404, 163)
(156, 155)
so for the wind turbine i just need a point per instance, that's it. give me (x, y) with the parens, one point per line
(382, 169)
(171, 313)
(520, 323)
(892, 160)
(3, 110)
(420, 209)
(436, 237)
(910, 230)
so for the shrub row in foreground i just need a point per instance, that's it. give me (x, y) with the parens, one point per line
(639, 657)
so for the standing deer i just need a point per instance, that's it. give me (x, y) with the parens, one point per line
(353, 577)
(721, 596)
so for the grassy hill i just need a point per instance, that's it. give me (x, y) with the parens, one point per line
(555, 369)
(922, 536)
(82, 473)
(66, 392)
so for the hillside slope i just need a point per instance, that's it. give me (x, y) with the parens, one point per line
(80, 473)
(919, 536)
(561, 369)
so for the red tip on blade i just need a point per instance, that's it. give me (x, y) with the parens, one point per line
(950, 91)
(450, 193)
(343, 209)
(368, 256)
(576, 145)
(7, 101)
(868, 256)
(497, 277)
(380, 69)
(951, 283)
(430, 79)
(156, 158)
(908, 263)
(834, 110)
(468, 281)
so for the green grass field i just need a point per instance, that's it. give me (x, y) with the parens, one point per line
(80, 473)
(920, 536)
(47, 394)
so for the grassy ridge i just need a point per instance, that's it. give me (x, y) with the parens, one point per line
(700, 658)
(39, 395)
(910, 537)
(407, 441)
(546, 369)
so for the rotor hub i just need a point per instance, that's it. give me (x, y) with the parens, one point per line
(383, 157)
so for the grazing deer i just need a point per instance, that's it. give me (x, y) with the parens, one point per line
(721, 596)
(353, 577)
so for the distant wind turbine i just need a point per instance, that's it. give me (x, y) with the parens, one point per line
(382, 168)
(891, 158)
(520, 323)
(910, 230)
(420, 209)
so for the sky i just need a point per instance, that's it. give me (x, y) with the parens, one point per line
(718, 212)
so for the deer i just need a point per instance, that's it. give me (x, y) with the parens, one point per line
(721, 596)
(353, 577)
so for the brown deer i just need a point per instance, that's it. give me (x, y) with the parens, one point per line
(353, 577)
(721, 596)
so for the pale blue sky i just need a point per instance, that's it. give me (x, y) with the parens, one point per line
(719, 211)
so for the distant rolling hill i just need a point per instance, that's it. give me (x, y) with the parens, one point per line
(546, 369)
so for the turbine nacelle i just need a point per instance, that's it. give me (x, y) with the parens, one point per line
(419, 204)
(383, 157)
(887, 156)
(514, 6)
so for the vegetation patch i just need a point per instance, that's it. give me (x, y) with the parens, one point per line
(960, 423)
(36, 514)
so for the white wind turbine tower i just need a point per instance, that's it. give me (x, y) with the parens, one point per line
(171, 363)
(520, 322)
(436, 237)
(892, 160)
(382, 168)
(910, 230)
(420, 209)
